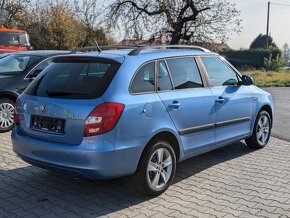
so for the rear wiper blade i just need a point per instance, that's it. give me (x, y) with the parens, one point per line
(55, 93)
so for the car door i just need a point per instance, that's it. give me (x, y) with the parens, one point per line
(233, 101)
(187, 100)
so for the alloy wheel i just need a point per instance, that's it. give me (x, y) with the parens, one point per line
(159, 169)
(6, 115)
(263, 129)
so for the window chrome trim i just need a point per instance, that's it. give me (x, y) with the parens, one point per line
(213, 125)
(26, 78)
(196, 59)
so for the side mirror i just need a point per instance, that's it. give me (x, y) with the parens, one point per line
(34, 74)
(247, 80)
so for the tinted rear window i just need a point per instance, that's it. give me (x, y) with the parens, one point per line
(74, 79)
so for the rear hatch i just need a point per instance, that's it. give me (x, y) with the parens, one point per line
(56, 105)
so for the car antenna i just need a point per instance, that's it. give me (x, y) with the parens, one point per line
(99, 49)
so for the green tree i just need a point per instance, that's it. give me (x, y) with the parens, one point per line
(274, 64)
(261, 42)
(12, 11)
(56, 25)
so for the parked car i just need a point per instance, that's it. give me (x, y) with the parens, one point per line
(2, 55)
(118, 113)
(16, 72)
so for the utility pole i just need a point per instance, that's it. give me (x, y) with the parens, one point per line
(267, 34)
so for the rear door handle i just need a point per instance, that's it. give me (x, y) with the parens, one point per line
(220, 100)
(174, 105)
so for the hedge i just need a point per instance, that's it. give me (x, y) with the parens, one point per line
(252, 57)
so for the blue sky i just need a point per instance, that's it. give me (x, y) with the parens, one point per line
(254, 16)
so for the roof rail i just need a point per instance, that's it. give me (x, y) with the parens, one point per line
(137, 51)
(101, 48)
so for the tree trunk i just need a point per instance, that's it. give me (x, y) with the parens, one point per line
(175, 39)
(176, 34)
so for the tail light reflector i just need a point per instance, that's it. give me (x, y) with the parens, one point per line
(16, 118)
(103, 119)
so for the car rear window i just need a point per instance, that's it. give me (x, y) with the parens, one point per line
(79, 78)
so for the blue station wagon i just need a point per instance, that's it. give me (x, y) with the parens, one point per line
(115, 113)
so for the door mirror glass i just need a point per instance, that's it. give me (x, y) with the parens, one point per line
(247, 80)
(38, 69)
(34, 73)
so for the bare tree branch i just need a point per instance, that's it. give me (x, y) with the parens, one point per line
(188, 20)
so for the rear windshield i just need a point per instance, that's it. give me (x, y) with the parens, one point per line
(74, 79)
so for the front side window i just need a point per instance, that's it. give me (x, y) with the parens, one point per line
(144, 80)
(219, 73)
(184, 73)
(16, 63)
(74, 79)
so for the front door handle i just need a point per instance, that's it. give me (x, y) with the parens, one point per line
(174, 105)
(220, 100)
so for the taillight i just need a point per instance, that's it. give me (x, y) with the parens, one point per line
(103, 119)
(16, 118)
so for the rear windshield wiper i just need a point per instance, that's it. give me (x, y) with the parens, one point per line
(55, 93)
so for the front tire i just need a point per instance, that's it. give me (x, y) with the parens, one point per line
(156, 169)
(6, 114)
(262, 131)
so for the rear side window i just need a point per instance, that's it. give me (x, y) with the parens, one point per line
(144, 80)
(184, 73)
(219, 73)
(74, 79)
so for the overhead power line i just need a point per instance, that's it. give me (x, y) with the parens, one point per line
(273, 3)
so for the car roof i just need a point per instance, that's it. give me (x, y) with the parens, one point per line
(145, 55)
(160, 52)
(44, 53)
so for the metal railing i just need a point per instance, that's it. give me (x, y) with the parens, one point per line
(137, 50)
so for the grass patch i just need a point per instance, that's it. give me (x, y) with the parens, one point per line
(270, 79)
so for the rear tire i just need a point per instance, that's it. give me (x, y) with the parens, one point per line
(156, 168)
(7, 108)
(262, 131)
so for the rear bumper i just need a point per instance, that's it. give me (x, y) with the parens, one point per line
(77, 161)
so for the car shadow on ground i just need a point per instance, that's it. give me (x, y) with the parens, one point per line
(38, 191)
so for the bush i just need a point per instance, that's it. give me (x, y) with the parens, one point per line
(270, 78)
(274, 64)
(252, 57)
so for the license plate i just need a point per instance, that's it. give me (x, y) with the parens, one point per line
(48, 124)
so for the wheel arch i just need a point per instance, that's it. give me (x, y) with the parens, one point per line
(269, 110)
(8, 95)
(171, 138)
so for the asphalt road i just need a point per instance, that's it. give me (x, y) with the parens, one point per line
(281, 97)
